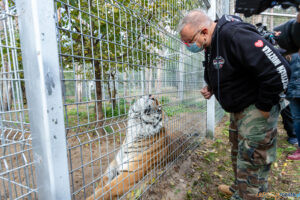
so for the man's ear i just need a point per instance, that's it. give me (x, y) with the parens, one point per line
(204, 31)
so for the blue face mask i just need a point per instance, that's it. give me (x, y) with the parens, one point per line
(194, 48)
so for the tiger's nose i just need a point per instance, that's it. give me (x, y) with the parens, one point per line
(148, 110)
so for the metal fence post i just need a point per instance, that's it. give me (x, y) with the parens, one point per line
(181, 75)
(210, 118)
(44, 97)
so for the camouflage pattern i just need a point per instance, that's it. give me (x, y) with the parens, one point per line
(233, 138)
(253, 140)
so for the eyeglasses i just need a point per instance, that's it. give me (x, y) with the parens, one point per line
(190, 43)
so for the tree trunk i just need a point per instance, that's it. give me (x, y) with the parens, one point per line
(125, 83)
(98, 104)
(5, 84)
(114, 92)
(5, 88)
(148, 80)
(158, 81)
(78, 82)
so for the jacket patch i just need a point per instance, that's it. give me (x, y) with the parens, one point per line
(218, 62)
(259, 43)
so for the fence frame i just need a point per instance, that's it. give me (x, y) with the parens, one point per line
(44, 94)
(210, 103)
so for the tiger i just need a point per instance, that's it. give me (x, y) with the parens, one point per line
(146, 145)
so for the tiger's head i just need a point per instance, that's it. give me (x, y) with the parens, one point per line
(146, 113)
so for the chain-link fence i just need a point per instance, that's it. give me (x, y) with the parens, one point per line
(112, 96)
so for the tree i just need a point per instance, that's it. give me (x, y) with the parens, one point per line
(107, 38)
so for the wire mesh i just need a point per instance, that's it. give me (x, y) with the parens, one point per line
(112, 55)
(16, 161)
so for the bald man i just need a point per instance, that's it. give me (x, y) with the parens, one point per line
(246, 75)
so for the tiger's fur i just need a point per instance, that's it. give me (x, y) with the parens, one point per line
(146, 144)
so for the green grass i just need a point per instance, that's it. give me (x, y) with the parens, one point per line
(192, 107)
(123, 106)
(164, 100)
(174, 110)
(119, 110)
(108, 129)
(70, 101)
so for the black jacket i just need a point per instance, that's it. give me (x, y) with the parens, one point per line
(254, 72)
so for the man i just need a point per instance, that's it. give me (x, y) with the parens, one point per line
(246, 75)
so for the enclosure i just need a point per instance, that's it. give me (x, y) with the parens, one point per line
(71, 71)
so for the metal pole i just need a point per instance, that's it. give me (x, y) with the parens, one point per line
(181, 71)
(210, 116)
(279, 14)
(44, 97)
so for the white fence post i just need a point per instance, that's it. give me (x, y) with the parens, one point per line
(210, 118)
(44, 97)
(181, 75)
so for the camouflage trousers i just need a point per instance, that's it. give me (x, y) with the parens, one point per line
(253, 150)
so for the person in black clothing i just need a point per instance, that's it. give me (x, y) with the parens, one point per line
(287, 121)
(247, 75)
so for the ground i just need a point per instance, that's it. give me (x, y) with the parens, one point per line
(198, 174)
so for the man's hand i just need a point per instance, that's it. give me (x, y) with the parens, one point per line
(265, 114)
(206, 93)
(277, 33)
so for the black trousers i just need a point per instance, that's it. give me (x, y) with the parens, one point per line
(288, 121)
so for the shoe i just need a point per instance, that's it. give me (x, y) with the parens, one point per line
(292, 140)
(295, 156)
(225, 189)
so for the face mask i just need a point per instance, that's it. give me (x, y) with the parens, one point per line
(194, 48)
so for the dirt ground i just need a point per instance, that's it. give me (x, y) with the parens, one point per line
(203, 169)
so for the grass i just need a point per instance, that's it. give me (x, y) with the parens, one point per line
(84, 114)
(80, 114)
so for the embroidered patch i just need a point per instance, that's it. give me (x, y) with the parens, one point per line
(259, 43)
(218, 62)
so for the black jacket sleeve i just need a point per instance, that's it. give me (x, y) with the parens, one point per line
(262, 60)
(207, 80)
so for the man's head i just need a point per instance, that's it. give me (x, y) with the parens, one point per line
(196, 28)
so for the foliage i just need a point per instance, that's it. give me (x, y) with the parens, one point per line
(121, 109)
(164, 100)
(107, 30)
